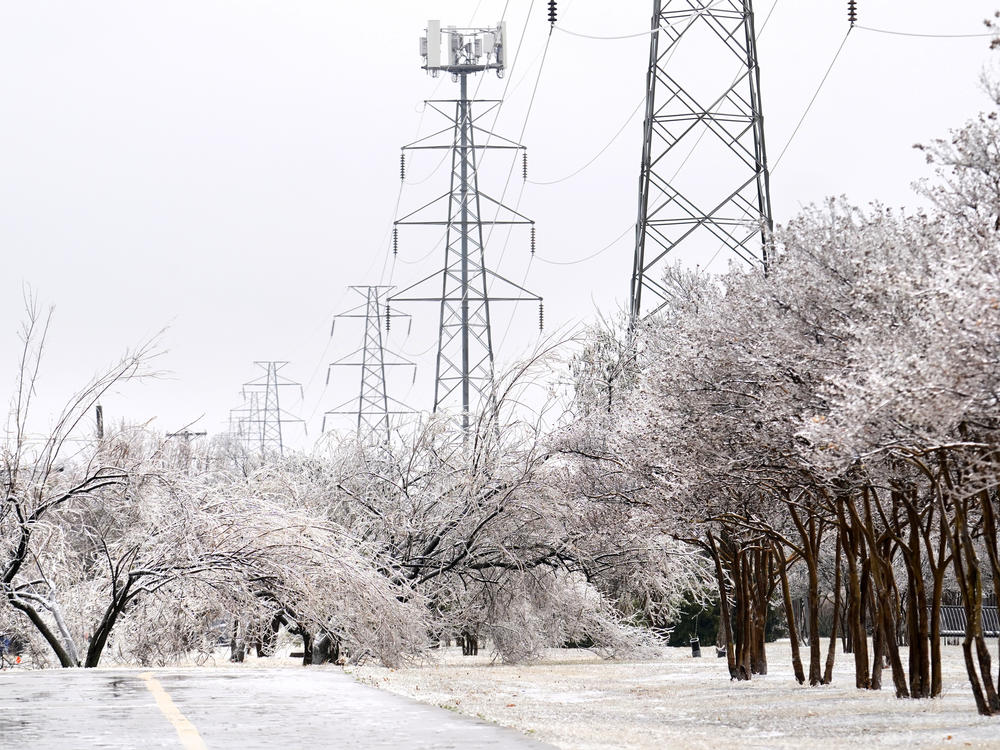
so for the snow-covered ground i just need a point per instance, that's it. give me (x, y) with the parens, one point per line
(573, 699)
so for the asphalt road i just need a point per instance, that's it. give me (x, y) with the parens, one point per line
(235, 709)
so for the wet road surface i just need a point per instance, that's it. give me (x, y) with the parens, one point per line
(227, 709)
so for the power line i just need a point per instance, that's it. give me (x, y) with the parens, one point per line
(524, 128)
(637, 109)
(433, 172)
(429, 253)
(600, 153)
(812, 101)
(681, 166)
(927, 36)
(520, 194)
(475, 11)
(509, 93)
(517, 205)
(645, 33)
(619, 238)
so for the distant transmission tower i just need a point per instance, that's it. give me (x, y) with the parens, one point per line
(259, 423)
(697, 106)
(244, 422)
(373, 407)
(465, 343)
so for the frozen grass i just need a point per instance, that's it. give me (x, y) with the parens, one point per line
(575, 700)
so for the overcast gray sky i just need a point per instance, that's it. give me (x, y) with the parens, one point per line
(225, 168)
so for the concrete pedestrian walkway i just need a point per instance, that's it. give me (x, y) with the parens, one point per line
(230, 709)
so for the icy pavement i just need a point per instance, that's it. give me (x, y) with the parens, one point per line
(233, 709)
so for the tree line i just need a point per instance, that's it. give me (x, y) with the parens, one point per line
(831, 427)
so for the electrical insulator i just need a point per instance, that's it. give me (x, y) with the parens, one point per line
(524, 164)
(852, 11)
(552, 12)
(541, 317)
(532, 240)
(395, 241)
(387, 316)
(402, 166)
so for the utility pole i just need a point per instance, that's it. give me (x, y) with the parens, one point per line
(373, 407)
(465, 365)
(262, 427)
(693, 209)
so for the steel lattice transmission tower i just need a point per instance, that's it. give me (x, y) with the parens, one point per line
(373, 407)
(244, 422)
(698, 105)
(259, 423)
(468, 286)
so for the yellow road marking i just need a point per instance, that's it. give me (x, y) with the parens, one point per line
(190, 739)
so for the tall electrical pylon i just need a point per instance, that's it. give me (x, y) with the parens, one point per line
(695, 106)
(244, 421)
(262, 429)
(373, 407)
(465, 366)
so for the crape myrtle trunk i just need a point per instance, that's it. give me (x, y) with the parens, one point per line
(811, 533)
(852, 542)
(793, 631)
(751, 569)
(969, 577)
(724, 608)
(831, 653)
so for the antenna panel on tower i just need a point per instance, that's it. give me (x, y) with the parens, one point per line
(502, 52)
(433, 44)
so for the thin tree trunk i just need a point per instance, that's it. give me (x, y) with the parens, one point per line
(831, 653)
(793, 631)
(970, 585)
(237, 648)
(810, 544)
(724, 618)
(32, 614)
(855, 607)
(100, 637)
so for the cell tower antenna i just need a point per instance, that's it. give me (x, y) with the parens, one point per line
(263, 426)
(464, 369)
(726, 205)
(373, 408)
